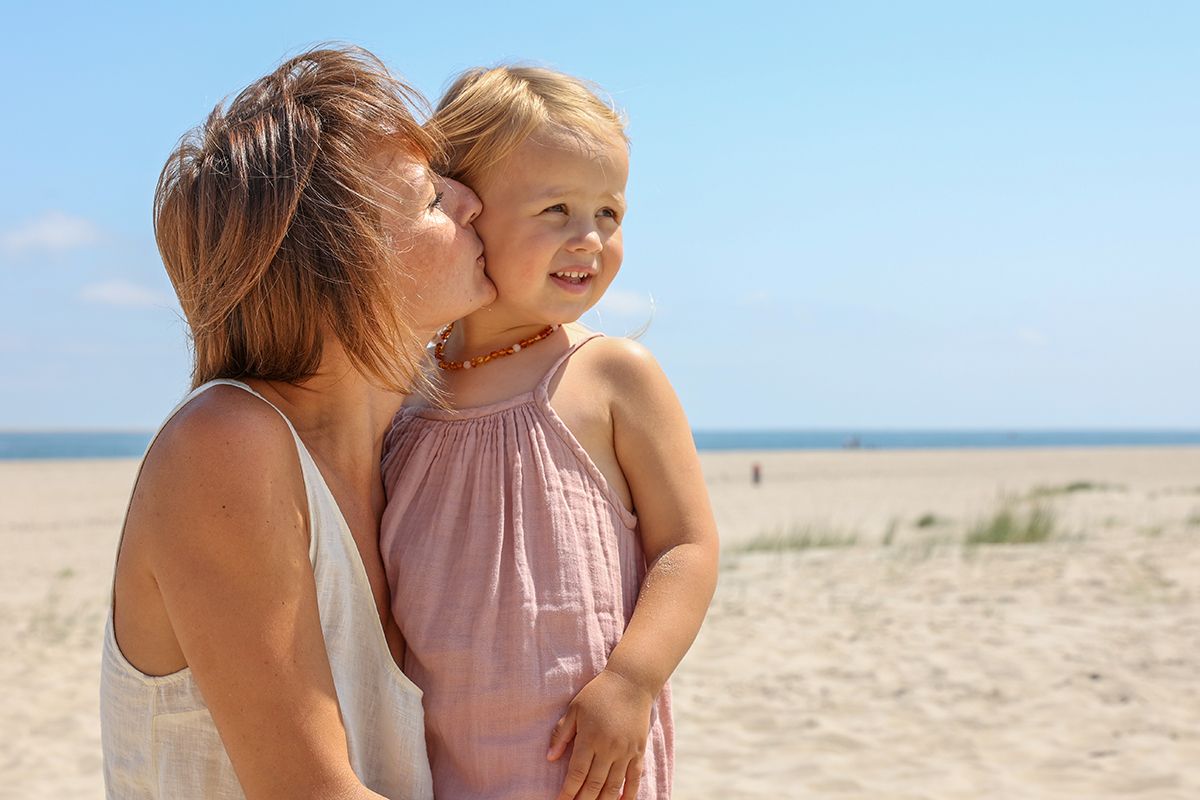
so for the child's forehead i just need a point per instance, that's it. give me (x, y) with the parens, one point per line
(565, 162)
(575, 140)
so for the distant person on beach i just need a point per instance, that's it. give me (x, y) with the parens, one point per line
(250, 651)
(548, 538)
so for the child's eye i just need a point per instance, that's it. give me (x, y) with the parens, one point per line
(557, 208)
(611, 213)
(437, 201)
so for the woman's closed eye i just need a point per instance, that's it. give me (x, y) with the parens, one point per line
(437, 201)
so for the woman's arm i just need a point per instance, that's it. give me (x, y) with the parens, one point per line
(654, 447)
(219, 522)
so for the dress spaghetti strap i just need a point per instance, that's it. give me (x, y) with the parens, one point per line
(542, 390)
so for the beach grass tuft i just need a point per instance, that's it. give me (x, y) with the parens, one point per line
(1010, 526)
(889, 535)
(799, 537)
(928, 520)
(1193, 520)
(1074, 487)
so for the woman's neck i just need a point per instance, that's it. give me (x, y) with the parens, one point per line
(336, 411)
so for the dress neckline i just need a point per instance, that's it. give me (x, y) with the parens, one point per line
(539, 395)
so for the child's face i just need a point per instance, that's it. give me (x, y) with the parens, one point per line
(554, 206)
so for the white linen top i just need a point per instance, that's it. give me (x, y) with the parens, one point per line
(159, 740)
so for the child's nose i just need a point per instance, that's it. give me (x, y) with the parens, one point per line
(588, 240)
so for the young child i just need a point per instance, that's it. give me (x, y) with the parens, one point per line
(548, 538)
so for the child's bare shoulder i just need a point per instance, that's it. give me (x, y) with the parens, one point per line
(622, 364)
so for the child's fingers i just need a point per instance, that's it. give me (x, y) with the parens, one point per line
(612, 786)
(597, 781)
(633, 779)
(578, 770)
(564, 732)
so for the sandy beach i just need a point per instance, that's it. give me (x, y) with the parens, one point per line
(857, 645)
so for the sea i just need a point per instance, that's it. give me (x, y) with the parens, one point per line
(132, 444)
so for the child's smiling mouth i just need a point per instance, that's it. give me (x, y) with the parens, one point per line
(571, 279)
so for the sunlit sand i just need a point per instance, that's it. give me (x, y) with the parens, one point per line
(856, 647)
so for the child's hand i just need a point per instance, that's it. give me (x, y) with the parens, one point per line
(609, 720)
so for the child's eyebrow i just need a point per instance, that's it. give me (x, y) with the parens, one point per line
(553, 191)
(561, 191)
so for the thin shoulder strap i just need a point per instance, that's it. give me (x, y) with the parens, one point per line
(192, 395)
(543, 386)
(229, 382)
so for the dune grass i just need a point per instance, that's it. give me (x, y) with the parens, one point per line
(1009, 525)
(1074, 487)
(799, 537)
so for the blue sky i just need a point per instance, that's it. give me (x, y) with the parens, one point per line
(864, 215)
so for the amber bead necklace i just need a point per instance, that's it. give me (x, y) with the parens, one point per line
(439, 349)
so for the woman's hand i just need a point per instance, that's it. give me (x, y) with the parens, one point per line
(609, 720)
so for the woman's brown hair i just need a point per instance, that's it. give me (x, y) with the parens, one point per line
(267, 218)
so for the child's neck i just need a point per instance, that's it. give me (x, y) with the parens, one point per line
(504, 377)
(489, 329)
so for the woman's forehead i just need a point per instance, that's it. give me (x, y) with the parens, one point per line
(402, 172)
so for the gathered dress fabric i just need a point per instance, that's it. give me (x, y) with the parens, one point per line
(514, 570)
(157, 734)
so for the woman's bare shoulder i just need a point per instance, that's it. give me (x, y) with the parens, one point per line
(226, 413)
(226, 453)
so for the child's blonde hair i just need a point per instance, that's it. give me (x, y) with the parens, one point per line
(488, 113)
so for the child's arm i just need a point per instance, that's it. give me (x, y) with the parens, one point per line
(610, 718)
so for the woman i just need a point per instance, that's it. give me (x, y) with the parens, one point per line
(249, 650)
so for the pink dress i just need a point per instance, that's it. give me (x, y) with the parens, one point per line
(514, 570)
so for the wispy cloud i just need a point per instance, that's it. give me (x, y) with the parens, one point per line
(759, 297)
(128, 295)
(53, 232)
(1031, 336)
(626, 303)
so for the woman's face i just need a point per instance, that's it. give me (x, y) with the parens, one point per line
(428, 221)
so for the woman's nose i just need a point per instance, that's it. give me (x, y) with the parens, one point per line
(467, 204)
